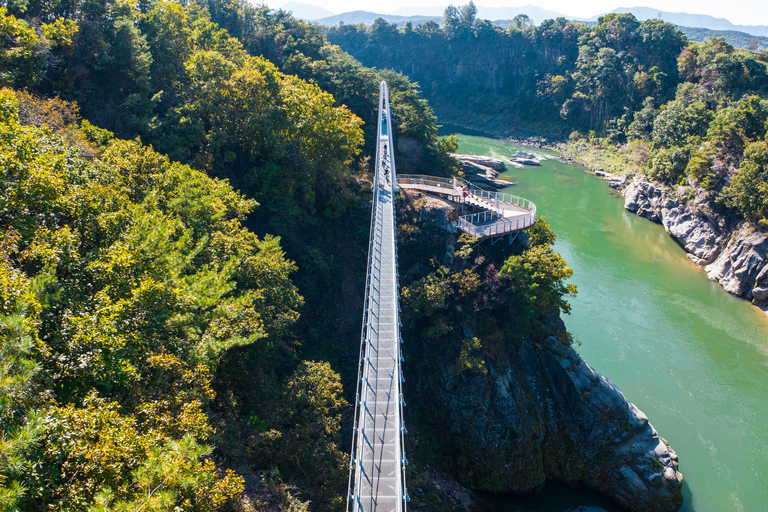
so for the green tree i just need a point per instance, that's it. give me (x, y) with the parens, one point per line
(309, 420)
(668, 165)
(748, 190)
(21, 61)
(19, 422)
(521, 21)
(737, 125)
(467, 15)
(451, 19)
(538, 276)
(677, 124)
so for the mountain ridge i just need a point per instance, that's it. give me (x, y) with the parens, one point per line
(537, 15)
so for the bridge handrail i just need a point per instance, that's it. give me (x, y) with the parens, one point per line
(354, 458)
(355, 479)
(454, 183)
(500, 228)
(434, 181)
(403, 489)
(495, 210)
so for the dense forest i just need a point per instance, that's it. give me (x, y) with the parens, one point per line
(184, 216)
(680, 112)
(159, 349)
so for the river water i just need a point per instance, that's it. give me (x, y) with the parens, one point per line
(691, 356)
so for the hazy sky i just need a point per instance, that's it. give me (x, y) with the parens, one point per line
(740, 12)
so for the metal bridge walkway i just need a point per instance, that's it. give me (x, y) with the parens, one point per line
(500, 213)
(377, 466)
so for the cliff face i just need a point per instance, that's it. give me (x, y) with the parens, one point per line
(734, 258)
(551, 416)
(534, 412)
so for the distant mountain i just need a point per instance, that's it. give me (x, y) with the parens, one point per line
(367, 18)
(696, 26)
(435, 10)
(737, 39)
(306, 12)
(690, 20)
(537, 14)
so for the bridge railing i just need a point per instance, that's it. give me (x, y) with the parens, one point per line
(469, 224)
(403, 489)
(497, 204)
(430, 181)
(497, 200)
(354, 463)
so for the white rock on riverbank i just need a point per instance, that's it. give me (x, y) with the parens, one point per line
(486, 161)
(483, 170)
(741, 267)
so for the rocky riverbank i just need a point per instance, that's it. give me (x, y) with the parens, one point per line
(537, 412)
(734, 257)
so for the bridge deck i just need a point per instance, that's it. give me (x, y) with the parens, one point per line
(377, 452)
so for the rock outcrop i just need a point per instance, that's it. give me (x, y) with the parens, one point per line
(483, 170)
(613, 181)
(551, 416)
(741, 266)
(486, 161)
(737, 259)
(536, 412)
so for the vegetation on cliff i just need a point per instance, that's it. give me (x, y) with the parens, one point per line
(477, 302)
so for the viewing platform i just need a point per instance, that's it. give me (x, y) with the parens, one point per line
(500, 214)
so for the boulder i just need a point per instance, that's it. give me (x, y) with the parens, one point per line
(695, 233)
(741, 266)
(475, 168)
(494, 163)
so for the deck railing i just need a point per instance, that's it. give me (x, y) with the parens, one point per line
(498, 205)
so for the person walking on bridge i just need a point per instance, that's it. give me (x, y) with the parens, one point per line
(464, 193)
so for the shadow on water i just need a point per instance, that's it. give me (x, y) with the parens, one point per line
(444, 130)
(556, 497)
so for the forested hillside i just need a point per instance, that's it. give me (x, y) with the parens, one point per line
(184, 213)
(680, 112)
(183, 222)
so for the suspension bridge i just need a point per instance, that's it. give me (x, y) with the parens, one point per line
(378, 461)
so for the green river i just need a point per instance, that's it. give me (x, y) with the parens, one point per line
(691, 356)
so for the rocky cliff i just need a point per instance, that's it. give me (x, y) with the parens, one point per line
(527, 409)
(549, 415)
(736, 258)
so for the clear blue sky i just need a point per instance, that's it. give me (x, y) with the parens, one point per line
(740, 12)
